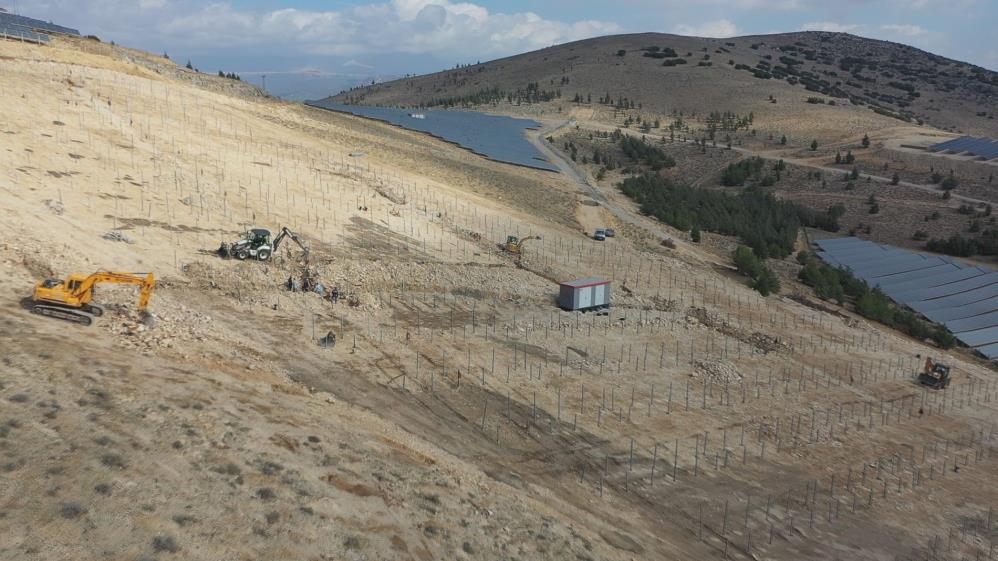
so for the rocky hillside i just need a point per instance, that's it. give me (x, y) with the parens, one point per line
(669, 74)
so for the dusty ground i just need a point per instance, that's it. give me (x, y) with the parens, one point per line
(460, 414)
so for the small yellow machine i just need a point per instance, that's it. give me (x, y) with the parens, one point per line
(514, 245)
(70, 299)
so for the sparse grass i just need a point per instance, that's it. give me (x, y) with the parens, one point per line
(102, 489)
(266, 494)
(270, 468)
(103, 440)
(227, 469)
(19, 398)
(166, 544)
(72, 509)
(272, 517)
(113, 461)
(351, 542)
(183, 520)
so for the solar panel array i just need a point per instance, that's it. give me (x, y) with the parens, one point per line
(30, 29)
(496, 137)
(985, 148)
(962, 297)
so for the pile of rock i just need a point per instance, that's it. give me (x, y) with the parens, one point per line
(698, 315)
(767, 343)
(166, 327)
(716, 371)
(117, 236)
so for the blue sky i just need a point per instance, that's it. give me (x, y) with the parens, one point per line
(310, 47)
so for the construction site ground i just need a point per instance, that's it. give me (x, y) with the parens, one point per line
(460, 414)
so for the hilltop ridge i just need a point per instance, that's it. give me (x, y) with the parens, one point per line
(669, 74)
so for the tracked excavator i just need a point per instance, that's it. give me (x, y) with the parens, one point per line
(934, 374)
(257, 243)
(514, 245)
(71, 299)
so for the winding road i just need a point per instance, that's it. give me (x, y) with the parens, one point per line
(569, 169)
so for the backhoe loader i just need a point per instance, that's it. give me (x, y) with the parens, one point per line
(256, 243)
(70, 299)
(934, 374)
(514, 245)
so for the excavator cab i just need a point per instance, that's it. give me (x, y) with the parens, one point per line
(935, 375)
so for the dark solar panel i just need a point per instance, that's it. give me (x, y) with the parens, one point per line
(990, 351)
(35, 24)
(22, 33)
(915, 280)
(960, 299)
(961, 144)
(943, 315)
(898, 265)
(946, 289)
(989, 151)
(982, 321)
(945, 145)
(963, 297)
(841, 242)
(980, 337)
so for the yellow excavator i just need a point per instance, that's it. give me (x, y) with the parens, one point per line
(70, 299)
(514, 245)
(934, 374)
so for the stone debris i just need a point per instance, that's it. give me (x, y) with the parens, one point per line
(117, 236)
(716, 372)
(55, 206)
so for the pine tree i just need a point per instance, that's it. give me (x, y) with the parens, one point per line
(866, 141)
(695, 234)
(783, 140)
(814, 145)
(838, 157)
(189, 65)
(855, 173)
(895, 179)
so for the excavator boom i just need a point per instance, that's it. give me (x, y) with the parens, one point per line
(286, 233)
(62, 298)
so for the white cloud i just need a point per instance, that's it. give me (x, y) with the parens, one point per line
(357, 64)
(904, 30)
(716, 28)
(829, 26)
(444, 27)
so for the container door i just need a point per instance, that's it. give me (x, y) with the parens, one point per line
(599, 295)
(585, 297)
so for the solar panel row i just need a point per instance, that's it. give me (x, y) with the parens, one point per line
(962, 297)
(986, 148)
(21, 33)
(31, 24)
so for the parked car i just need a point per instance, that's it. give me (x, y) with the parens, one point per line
(599, 235)
(610, 233)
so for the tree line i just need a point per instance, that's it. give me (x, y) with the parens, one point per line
(840, 285)
(764, 223)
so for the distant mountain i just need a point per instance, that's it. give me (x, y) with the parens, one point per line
(670, 73)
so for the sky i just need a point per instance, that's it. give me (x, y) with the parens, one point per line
(312, 48)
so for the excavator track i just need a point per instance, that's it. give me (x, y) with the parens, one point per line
(62, 313)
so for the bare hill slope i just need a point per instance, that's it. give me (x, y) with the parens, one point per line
(667, 74)
(460, 414)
